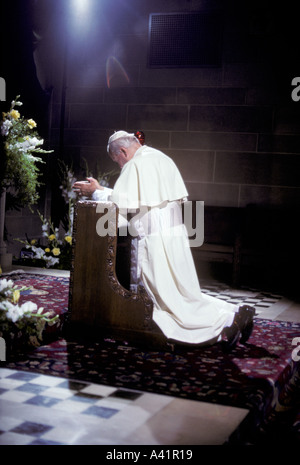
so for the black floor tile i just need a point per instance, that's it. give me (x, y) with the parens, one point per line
(42, 401)
(31, 429)
(125, 394)
(30, 387)
(103, 412)
(22, 376)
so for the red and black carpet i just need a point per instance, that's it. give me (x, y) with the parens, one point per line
(262, 375)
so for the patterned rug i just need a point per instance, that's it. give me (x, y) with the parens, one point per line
(261, 375)
(49, 292)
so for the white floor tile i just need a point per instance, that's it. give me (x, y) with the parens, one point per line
(10, 439)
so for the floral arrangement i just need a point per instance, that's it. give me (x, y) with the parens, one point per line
(21, 322)
(56, 250)
(21, 144)
(55, 254)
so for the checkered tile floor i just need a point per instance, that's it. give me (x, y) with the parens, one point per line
(256, 298)
(43, 410)
(37, 409)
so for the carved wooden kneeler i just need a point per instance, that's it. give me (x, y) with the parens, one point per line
(98, 304)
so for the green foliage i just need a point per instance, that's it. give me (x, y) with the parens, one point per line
(21, 143)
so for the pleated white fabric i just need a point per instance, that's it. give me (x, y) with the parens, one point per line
(165, 265)
(148, 179)
(166, 269)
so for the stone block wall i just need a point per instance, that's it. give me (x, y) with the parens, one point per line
(233, 130)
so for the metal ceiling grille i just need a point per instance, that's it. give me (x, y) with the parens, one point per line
(184, 40)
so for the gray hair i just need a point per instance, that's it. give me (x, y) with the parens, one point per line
(115, 146)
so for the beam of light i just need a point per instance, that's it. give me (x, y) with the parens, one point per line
(80, 7)
(81, 12)
(115, 73)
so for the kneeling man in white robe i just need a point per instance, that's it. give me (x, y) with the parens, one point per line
(151, 184)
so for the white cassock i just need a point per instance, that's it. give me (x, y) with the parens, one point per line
(151, 182)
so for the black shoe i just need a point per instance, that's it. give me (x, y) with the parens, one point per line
(247, 314)
(241, 328)
(232, 334)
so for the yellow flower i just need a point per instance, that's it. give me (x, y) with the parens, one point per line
(68, 239)
(51, 237)
(56, 251)
(47, 250)
(31, 123)
(16, 296)
(33, 241)
(15, 114)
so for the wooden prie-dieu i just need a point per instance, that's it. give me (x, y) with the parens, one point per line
(99, 305)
